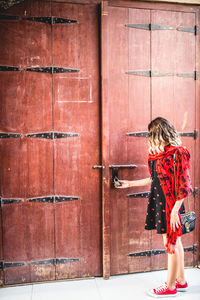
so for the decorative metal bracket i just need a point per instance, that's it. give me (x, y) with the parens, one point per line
(52, 70)
(50, 20)
(52, 135)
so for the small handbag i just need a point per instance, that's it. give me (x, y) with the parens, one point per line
(188, 218)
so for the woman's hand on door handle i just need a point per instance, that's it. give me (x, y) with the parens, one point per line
(123, 184)
(127, 183)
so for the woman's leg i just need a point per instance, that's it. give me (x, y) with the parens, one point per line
(173, 266)
(180, 272)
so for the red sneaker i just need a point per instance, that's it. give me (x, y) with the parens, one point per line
(181, 287)
(162, 291)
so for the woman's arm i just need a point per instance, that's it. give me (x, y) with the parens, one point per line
(128, 183)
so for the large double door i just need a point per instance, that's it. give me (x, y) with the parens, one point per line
(61, 140)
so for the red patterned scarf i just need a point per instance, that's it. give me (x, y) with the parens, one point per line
(165, 171)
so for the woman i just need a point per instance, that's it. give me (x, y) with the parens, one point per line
(163, 212)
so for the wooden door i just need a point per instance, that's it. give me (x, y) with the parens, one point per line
(149, 69)
(50, 141)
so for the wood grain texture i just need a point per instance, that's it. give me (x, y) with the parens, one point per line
(106, 230)
(76, 109)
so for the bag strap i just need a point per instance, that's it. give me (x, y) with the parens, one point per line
(174, 161)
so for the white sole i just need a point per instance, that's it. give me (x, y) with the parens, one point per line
(152, 294)
(182, 289)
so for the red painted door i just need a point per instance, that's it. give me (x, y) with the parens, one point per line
(149, 69)
(50, 141)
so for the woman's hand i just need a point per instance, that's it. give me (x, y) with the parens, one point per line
(124, 184)
(174, 220)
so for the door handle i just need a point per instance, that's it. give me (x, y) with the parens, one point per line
(115, 169)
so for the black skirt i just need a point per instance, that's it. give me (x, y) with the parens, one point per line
(156, 210)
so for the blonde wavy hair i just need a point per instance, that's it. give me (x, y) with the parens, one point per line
(162, 133)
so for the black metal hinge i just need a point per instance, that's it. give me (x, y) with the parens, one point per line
(189, 29)
(193, 134)
(51, 261)
(153, 252)
(5, 17)
(54, 261)
(139, 195)
(150, 26)
(138, 134)
(50, 20)
(123, 166)
(4, 135)
(52, 135)
(66, 198)
(155, 73)
(147, 253)
(8, 68)
(194, 75)
(149, 73)
(53, 199)
(52, 70)
(10, 201)
(5, 265)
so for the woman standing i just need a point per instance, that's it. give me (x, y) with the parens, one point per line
(163, 211)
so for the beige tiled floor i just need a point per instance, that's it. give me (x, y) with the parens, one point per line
(121, 287)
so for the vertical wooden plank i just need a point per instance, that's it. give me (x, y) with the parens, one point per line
(138, 119)
(76, 110)
(118, 127)
(105, 139)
